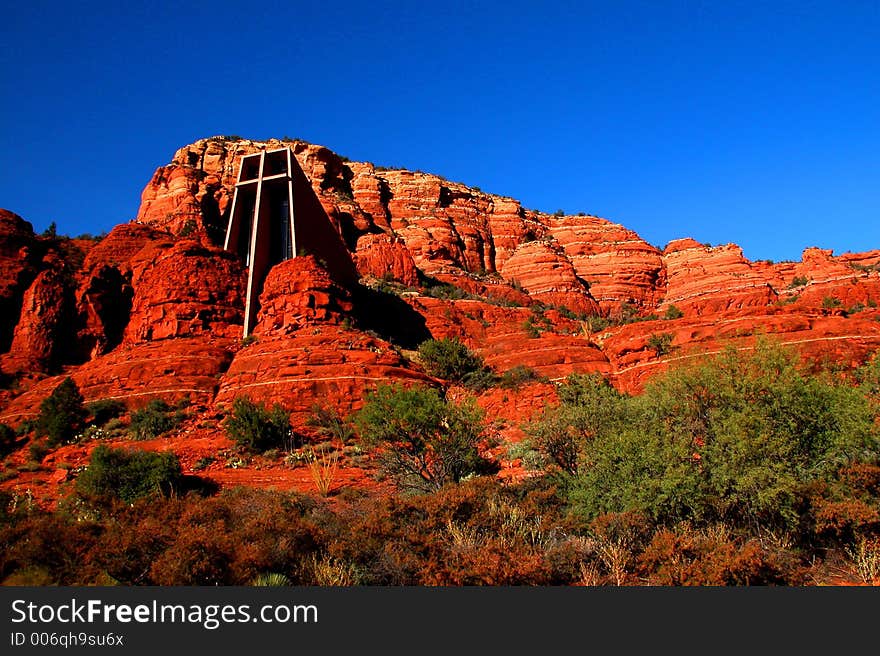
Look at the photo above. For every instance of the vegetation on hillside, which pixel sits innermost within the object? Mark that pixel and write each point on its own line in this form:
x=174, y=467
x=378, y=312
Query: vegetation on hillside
x=743, y=468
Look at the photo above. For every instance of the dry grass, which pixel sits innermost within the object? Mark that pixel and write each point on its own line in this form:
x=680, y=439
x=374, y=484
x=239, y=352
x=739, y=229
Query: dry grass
x=865, y=555
x=328, y=571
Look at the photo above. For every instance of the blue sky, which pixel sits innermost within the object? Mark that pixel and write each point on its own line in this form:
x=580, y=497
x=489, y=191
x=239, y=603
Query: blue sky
x=749, y=122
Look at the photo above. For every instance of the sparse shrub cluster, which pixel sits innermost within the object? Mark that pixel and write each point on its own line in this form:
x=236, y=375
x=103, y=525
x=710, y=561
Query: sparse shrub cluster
x=831, y=303
x=449, y=359
x=518, y=376
x=8, y=440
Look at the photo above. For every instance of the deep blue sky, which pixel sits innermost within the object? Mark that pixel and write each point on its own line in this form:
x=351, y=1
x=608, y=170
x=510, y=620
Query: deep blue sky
x=751, y=122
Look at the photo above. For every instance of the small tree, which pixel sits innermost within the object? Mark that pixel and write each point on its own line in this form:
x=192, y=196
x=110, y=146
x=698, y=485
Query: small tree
x=449, y=359
x=129, y=475
x=62, y=413
x=257, y=428
x=426, y=441
x=661, y=343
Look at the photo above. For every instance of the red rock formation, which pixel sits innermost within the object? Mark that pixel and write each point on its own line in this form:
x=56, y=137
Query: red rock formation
x=616, y=263
x=704, y=280
x=170, y=370
x=42, y=331
x=305, y=351
x=183, y=289
x=548, y=277
x=18, y=268
x=385, y=257
x=321, y=365
x=298, y=293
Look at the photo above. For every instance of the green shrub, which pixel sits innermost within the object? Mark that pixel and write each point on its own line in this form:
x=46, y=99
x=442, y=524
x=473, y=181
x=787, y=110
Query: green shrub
x=798, y=281
x=672, y=313
x=594, y=323
x=480, y=380
x=735, y=439
x=589, y=405
x=831, y=303
x=448, y=359
x=518, y=376
x=856, y=308
x=661, y=343
x=189, y=227
x=129, y=475
x=156, y=418
x=62, y=413
x=531, y=329
x=447, y=292
x=425, y=441
x=256, y=428
x=8, y=440
x=38, y=450
x=868, y=377
x=103, y=410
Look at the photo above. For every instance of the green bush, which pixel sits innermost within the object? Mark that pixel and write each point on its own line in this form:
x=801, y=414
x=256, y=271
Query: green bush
x=38, y=450
x=672, y=313
x=480, y=380
x=8, y=440
x=530, y=329
x=868, y=377
x=736, y=439
x=62, y=413
x=447, y=292
x=256, y=428
x=449, y=359
x=798, y=281
x=129, y=475
x=103, y=410
x=425, y=441
x=518, y=376
x=831, y=303
x=156, y=418
x=661, y=343
x=589, y=405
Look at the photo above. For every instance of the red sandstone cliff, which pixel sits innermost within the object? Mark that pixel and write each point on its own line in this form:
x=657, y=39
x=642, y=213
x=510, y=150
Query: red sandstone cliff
x=155, y=309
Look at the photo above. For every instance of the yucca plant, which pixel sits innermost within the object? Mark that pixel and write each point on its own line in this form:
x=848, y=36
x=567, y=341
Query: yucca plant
x=323, y=469
x=270, y=580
